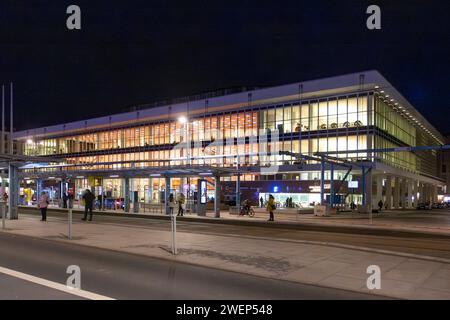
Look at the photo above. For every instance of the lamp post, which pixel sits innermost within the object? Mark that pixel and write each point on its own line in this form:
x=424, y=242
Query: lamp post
x=185, y=121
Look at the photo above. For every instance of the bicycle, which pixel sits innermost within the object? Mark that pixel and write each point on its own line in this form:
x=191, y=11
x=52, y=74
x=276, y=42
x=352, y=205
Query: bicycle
x=250, y=212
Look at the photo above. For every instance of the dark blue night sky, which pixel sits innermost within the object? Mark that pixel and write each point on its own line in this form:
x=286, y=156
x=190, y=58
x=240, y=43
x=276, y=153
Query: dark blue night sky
x=135, y=52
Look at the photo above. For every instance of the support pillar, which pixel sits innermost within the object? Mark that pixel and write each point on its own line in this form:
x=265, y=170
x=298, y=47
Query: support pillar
x=415, y=191
x=388, y=201
x=217, y=196
x=430, y=193
x=367, y=196
x=62, y=192
x=132, y=204
x=419, y=194
x=238, y=190
x=369, y=190
x=425, y=193
x=396, y=193
x=166, y=195
x=331, y=185
x=150, y=190
x=410, y=194
x=402, y=193
x=435, y=193
x=126, y=195
x=379, y=191
x=322, y=180
x=13, y=198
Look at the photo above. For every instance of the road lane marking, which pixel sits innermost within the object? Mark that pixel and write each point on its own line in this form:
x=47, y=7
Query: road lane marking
x=54, y=285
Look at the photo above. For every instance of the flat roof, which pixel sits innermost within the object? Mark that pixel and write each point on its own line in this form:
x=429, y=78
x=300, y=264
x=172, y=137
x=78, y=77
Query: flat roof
x=336, y=85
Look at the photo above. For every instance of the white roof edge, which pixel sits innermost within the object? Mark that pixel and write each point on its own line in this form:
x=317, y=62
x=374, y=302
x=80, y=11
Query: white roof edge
x=328, y=83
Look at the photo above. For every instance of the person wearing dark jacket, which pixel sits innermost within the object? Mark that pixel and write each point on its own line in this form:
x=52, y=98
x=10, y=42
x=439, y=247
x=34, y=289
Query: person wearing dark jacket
x=88, y=198
x=380, y=205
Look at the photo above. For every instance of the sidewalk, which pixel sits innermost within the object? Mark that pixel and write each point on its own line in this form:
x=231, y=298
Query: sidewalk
x=429, y=222
x=402, y=277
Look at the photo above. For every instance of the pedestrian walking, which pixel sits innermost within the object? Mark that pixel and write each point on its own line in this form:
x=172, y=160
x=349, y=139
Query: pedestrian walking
x=271, y=207
x=88, y=198
x=181, y=201
x=43, y=204
x=171, y=203
x=261, y=200
x=70, y=197
x=65, y=199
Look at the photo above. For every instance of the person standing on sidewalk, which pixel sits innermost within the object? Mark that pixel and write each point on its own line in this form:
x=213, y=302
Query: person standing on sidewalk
x=43, y=204
x=88, y=198
x=271, y=207
x=171, y=203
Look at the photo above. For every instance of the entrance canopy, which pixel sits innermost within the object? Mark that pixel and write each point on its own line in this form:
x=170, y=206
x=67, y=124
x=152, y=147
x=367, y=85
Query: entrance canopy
x=20, y=160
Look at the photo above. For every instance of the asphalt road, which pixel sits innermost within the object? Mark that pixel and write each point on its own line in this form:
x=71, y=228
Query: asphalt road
x=12, y=288
x=406, y=242
x=126, y=276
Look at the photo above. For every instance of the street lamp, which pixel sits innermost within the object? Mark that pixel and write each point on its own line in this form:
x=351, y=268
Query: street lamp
x=182, y=119
x=185, y=121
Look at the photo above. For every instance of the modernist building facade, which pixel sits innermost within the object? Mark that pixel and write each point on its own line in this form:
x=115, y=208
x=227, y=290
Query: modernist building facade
x=260, y=136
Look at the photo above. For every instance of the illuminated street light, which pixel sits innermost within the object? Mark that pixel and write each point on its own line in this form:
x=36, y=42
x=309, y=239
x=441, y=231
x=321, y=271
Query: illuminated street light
x=182, y=120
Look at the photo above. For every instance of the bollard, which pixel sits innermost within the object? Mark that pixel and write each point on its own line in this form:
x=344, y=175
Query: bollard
x=70, y=223
x=173, y=219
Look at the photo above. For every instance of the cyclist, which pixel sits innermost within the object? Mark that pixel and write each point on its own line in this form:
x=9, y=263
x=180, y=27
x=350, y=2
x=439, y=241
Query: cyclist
x=246, y=207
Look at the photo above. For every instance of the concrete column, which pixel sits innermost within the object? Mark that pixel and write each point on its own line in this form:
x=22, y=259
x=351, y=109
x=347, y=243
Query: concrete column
x=13, y=198
x=388, y=192
x=132, y=193
x=410, y=194
x=62, y=192
x=331, y=184
x=238, y=190
x=430, y=193
x=396, y=199
x=150, y=190
x=217, y=197
x=369, y=191
x=126, y=194
x=166, y=195
x=420, y=191
x=426, y=193
x=414, y=192
x=435, y=193
x=402, y=193
x=379, y=191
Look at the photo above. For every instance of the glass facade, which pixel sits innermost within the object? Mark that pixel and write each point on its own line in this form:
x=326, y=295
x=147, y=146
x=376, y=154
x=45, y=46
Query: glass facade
x=394, y=130
x=348, y=122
